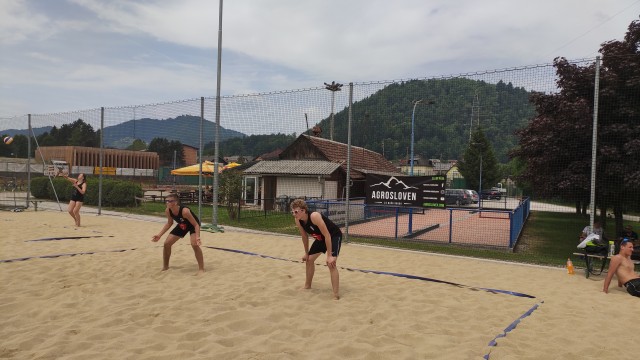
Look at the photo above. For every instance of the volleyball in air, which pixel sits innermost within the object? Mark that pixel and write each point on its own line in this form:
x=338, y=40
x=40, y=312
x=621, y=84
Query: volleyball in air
x=8, y=140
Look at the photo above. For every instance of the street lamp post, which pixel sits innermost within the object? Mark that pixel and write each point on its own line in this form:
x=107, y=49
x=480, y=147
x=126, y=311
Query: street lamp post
x=413, y=116
x=333, y=87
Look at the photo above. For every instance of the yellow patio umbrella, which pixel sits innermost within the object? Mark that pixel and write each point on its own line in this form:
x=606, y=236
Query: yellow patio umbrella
x=194, y=170
x=230, y=165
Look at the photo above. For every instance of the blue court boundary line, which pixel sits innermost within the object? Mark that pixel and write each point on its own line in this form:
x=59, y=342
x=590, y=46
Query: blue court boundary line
x=492, y=343
x=407, y=276
x=511, y=327
x=62, y=255
x=68, y=238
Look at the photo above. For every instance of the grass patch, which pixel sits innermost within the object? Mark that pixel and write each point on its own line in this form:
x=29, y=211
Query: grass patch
x=270, y=221
x=548, y=238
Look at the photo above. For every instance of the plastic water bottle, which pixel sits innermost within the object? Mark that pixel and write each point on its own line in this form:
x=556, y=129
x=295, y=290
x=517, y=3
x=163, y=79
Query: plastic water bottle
x=569, y=267
x=612, y=248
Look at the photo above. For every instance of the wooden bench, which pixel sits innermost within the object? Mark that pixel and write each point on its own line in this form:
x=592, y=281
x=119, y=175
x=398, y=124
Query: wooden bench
x=140, y=200
x=589, y=260
x=35, y=204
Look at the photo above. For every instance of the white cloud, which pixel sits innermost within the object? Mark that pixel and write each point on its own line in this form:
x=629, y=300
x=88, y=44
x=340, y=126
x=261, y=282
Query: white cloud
x=126, y=50
x=17, y=23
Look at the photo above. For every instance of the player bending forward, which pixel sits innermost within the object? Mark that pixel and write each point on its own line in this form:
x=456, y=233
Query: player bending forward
x=328, y=239
x=188, y=222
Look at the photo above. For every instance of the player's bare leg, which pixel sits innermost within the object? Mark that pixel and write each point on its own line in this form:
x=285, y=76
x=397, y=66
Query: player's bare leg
x=199, y=258
x=335, y=282
x=76, y=213
x=71, y=211
x=166, y=253
x=310, y=270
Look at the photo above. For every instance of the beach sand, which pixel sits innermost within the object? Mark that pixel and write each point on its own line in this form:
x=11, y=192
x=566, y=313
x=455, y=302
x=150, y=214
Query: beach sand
x=113, y=302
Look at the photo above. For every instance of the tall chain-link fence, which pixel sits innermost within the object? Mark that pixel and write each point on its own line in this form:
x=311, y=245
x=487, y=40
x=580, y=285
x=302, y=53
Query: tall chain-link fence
x=514, y=147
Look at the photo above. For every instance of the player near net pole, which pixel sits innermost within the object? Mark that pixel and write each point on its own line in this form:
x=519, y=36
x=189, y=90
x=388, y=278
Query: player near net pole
x=77, y=196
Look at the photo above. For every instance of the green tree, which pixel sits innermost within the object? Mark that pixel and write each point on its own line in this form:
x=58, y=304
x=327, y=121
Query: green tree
x=166, y=150
x=77, y=133
x=479, y=154
x=231, y=191
x=556, y=144
x=18, y=148
x=80, y=133
x=137, y=145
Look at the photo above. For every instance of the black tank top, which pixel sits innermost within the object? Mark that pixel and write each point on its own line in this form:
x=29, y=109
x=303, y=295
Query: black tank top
x=313, y=229
x=181, y=220
x=77, y=195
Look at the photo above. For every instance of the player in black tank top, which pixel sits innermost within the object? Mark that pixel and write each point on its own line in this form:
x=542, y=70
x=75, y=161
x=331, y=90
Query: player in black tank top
x=187, y=223
x=328, y=239
x=77, y=196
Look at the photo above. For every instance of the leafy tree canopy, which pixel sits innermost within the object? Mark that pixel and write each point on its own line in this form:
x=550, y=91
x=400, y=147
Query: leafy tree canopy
x=442, y=129
x=77, y=133
x=253, y=145
x=168, y=151
x=137, y=145
x=556, y=144
x=18, y=148
x=479, y=155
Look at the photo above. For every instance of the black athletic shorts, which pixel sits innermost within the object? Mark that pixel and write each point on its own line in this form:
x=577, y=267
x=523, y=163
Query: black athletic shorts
x=319, y=246
x=182, y=229
x=633, y=287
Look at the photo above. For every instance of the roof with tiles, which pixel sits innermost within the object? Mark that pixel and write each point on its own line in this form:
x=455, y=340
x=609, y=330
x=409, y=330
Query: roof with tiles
x=293, y=167
x=363, y=161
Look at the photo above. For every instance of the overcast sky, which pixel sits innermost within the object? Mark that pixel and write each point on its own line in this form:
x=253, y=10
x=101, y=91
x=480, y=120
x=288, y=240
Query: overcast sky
x=64, y=55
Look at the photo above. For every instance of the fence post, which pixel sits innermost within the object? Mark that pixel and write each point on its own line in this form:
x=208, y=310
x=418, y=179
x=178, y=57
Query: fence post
x=450, y=226
x=216, y=183
x=397, y=214
x=101, y=160
x=348, y=193
x=594, y=142
x=511, y=235
x=29, y=160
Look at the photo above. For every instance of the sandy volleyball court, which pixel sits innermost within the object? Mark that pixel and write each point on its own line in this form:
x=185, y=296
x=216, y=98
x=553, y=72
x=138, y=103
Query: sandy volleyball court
x=112, y=302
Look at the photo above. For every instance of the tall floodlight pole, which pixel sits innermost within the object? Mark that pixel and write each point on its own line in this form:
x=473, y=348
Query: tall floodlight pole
x=333, y=87
x=413, y=116
x=413, y=121
x=216, y=176
x=594, y=144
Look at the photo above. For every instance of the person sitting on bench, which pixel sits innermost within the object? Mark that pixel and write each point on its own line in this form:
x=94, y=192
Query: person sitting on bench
x=622, y=266
x=596, y=229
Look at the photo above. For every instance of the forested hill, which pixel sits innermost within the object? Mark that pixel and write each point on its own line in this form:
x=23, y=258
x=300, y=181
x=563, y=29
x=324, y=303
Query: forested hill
x=442, y=128
x=183, y=128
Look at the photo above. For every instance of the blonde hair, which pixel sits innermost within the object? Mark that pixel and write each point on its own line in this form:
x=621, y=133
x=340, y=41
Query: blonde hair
x=300, y=204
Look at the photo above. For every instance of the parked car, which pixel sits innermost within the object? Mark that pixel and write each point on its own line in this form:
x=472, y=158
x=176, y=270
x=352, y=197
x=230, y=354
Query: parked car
x=474, y=196
x=456, y=197
x=491, y=194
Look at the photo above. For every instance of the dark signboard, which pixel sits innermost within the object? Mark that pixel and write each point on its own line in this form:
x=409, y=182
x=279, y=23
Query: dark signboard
x=415, y=191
